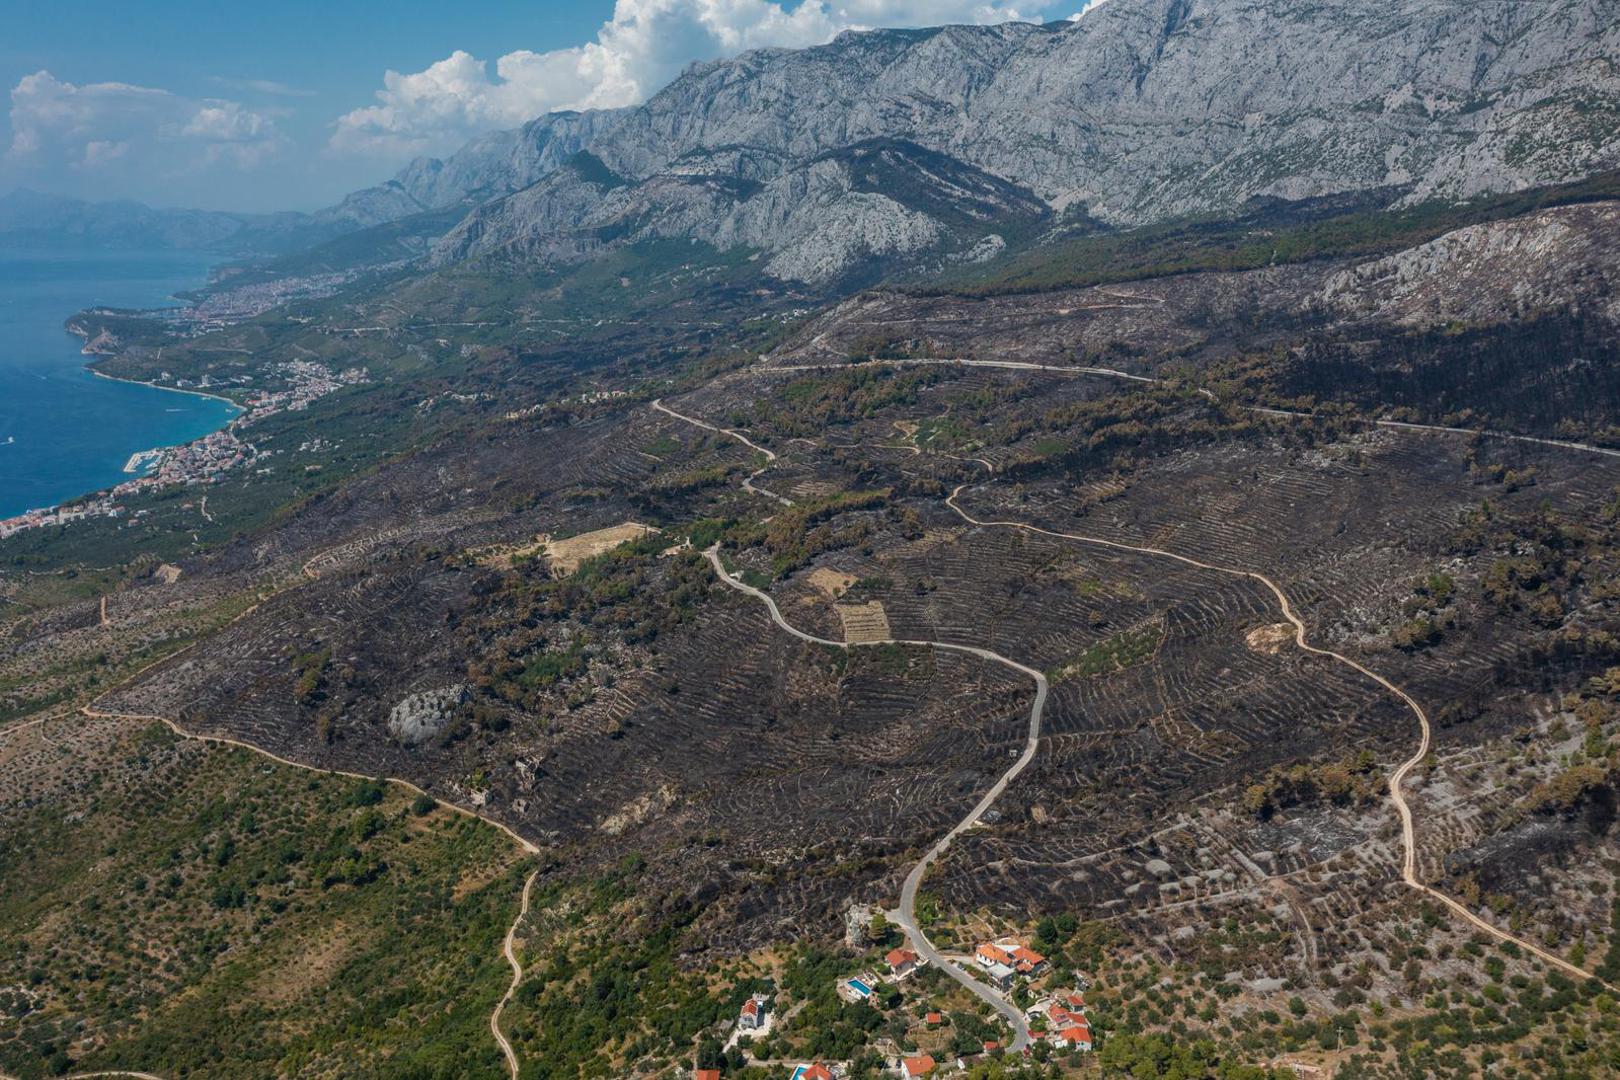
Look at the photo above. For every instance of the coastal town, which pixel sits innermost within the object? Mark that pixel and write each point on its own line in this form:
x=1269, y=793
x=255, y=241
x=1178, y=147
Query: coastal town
x=201, y=461
x=225, y=304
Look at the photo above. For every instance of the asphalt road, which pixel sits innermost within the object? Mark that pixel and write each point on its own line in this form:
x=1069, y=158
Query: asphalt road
x=906, y=915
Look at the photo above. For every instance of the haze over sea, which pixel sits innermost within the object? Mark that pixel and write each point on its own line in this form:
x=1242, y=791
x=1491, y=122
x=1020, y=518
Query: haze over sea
x=63, y=431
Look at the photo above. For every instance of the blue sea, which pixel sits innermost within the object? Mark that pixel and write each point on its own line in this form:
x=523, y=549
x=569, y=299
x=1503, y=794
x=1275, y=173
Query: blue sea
x=63, y=431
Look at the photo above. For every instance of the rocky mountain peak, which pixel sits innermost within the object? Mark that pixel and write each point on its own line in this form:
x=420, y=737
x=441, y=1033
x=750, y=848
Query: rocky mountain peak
x=1142, y=111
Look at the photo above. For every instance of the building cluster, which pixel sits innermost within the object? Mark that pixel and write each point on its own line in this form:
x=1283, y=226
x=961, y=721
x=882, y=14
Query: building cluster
x=201, y=461
x=103, y=506
x=306, y=381
x=1061, y=1020
x=1007, y=959
x=227, y=306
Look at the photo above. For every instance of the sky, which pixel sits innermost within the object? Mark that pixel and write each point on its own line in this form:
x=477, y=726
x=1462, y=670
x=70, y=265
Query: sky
x=226, y=105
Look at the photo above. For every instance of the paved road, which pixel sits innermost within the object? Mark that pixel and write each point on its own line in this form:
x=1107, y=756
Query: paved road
x=906, y=916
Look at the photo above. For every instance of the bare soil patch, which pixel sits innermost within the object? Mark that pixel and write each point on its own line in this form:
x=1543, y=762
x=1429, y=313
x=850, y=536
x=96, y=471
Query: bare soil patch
x=1271, y=638
x=832, y=582
x=866, y=622
x=566, y=555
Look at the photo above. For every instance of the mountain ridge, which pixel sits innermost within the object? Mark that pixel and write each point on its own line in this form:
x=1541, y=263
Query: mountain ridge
x=1142, y=111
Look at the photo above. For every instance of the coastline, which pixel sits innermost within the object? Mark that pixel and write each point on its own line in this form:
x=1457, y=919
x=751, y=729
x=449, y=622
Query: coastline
x=98, y=498
x=238, y=406
x=202, y=444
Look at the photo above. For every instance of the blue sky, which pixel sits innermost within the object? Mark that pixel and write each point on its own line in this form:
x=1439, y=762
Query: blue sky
x=230, y=105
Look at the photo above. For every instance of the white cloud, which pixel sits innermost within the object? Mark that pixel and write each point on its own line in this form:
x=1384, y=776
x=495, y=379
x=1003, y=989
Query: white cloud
x=262, y=86
x=644, y=45
x=59, y=125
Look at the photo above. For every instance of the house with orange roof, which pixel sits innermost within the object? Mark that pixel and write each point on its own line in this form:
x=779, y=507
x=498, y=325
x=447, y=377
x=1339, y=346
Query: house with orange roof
x=751, y=1017
x=913, y=1067
x=902, y=962
x=1076, y=1036
x=1027, y=961
x=989, y=954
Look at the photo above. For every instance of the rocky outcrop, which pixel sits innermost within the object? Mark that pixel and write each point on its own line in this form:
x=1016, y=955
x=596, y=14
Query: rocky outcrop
x=422, y=716
x=1140, y=111
x=1485, y=273
x=505, y=161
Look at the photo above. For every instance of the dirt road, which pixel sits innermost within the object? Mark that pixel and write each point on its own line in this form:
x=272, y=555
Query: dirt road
x=748, y=484
x=517, y=977
x=1259, y=410
x=1397, y=778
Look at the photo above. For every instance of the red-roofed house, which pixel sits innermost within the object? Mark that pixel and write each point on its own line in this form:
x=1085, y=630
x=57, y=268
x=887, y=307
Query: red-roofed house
x=751, y=1016
x=1059, y=1017
x=989, y=955
x=934, y=1019
x=913, y=1067
x=902, y=962
x=1078, y=1036
x=818, y=1071
x=705, y=1074
x=1027, y=961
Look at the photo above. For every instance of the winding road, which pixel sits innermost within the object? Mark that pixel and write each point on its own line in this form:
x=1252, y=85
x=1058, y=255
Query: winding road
x=517, y=976
x=1396, y=780
x=906, y=915
x=1115, y=373
x=311, y=572
x=527, y=846
x=748, y=482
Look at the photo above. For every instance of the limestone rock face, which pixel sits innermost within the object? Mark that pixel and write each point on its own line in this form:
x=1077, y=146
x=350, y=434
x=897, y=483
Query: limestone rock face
x=888, y=144
x=492, y=165
x=421, y=716
x=1484, y=273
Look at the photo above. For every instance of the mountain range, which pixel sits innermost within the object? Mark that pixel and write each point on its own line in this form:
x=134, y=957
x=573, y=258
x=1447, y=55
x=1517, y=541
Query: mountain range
x=900, y=144
x=887, y=148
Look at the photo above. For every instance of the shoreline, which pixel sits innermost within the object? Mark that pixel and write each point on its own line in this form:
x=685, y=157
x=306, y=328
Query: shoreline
x=240, y=408
x=155, y=453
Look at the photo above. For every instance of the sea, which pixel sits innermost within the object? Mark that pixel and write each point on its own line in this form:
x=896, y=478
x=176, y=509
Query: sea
x=63, y=431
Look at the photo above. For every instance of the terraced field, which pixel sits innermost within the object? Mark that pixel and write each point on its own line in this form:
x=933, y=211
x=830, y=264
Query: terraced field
x=1076, y=615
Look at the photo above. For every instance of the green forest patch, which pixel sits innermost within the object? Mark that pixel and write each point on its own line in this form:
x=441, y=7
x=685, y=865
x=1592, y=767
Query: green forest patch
x=1114, y=653
x=196, y=911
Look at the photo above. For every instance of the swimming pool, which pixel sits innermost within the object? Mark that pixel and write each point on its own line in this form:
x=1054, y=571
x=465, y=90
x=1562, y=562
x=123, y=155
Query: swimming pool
x=860, y=988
